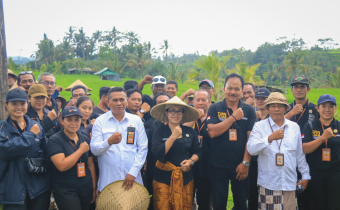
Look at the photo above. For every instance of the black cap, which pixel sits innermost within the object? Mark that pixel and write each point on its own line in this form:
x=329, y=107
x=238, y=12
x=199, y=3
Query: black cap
x=300, y=80
x=70, y=111
x=262, y=92
x=16, y=95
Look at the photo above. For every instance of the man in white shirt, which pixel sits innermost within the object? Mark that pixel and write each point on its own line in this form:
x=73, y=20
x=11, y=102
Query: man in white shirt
x=277, y=142
x=120, y=142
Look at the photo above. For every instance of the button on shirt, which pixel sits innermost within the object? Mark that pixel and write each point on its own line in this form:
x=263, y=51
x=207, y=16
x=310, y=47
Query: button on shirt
x=118, y=160
x=270, y=175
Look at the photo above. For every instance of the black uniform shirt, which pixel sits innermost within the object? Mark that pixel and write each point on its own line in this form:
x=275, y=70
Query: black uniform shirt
x=307, y=115
x=60, y=143
x=181, y=149
x=201, y=168
x=314, y=159
x=225, y=153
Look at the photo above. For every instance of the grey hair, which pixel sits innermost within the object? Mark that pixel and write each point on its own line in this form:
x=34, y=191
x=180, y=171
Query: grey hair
x=44, y=74
x=202, y=90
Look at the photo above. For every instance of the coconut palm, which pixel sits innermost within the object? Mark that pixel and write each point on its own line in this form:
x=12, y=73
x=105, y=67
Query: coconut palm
x=248, y=73
x=112, y=38
x=140, y=59
x=272, y=71
x=174, y=70
x=293, y=64
x=81, y=41
x=209, y=67
x=165, y=47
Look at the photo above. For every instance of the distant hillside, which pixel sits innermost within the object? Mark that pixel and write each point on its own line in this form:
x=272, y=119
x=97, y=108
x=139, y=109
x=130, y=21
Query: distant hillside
x=21, y=60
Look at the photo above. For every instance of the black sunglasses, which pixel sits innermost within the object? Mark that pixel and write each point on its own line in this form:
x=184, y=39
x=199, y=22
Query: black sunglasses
x=161, y=79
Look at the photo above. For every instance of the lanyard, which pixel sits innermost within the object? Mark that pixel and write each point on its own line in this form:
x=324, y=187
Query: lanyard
x=228, y=112
x=198, y=128
x=19, y=129
x=323, y=130
x=273, y=132
x=75, y=150
x=300, y=114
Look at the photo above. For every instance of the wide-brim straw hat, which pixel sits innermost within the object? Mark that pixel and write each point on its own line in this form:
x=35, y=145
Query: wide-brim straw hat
x=277, y=98
x=63, y=101
x=10, y=72
x=114, y=197
x=190, y=113
x=77, y=82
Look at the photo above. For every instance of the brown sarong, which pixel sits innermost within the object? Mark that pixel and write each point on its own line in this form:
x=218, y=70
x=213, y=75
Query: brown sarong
x=174, y=196
x=276, y=199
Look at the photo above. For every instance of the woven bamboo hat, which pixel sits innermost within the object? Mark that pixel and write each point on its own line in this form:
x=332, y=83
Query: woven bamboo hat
x=77, y=82
x=10, y=72
x=190, y=113
x=114, y=197
x=277, y=98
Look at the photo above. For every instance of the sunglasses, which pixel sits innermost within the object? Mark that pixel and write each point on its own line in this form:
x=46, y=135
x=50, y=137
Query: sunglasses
x=157, y=79
x=25, y=72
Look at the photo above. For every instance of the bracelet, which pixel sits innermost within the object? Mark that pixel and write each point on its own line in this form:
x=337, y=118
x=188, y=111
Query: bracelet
x=234, y=118
x=171, y=140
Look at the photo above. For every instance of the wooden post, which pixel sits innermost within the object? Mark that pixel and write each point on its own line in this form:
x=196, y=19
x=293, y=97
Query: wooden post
x=3, y=64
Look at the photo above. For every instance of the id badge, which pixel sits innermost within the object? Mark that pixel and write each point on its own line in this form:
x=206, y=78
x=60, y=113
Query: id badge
x=130, y=135
x=200, y=140
x=280, y=159
x=326, y=154
x=232, y=135
x=81, y=170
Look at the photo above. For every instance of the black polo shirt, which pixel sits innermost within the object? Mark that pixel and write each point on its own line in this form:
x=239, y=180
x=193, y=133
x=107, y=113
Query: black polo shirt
x=60, y=143
x=314, y=159
x=201, y=167
x=225, y=153
x=307, y=115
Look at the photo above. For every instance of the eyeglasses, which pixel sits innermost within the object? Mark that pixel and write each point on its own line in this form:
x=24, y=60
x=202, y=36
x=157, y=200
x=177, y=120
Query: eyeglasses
x=46, y=83
x=179, y=112
x=25, y=72
x=206, y=88
x=161, y=79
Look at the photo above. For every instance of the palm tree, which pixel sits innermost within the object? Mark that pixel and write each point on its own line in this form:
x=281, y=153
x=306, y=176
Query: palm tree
x=132, y=38
x=209, y=67
x=165, y=48
x=81, y=41
x=139, y=60
x=293, y=64
x=272, y=71
x=112, y=38
x=248, y=73
x=71, y=30
x=173, y=71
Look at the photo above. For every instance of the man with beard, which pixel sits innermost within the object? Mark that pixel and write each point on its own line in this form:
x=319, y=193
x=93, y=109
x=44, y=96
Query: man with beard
x=25, y=80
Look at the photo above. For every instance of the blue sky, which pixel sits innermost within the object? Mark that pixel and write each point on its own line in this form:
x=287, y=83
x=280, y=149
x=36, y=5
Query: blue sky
x=188, y=25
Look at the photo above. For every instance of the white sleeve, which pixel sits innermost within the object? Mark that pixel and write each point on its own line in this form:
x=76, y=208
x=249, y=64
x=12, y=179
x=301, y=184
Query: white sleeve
x=98, y=144
x=142, y=150
x=257, y=142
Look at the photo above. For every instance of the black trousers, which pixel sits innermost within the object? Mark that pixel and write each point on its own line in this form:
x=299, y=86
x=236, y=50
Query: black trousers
x=202, y=187
x=41, y=202
x=325, y=190
x=149, y=187
x=220, y=187
x=305, y=198
x=253, y=190
x=78, y=198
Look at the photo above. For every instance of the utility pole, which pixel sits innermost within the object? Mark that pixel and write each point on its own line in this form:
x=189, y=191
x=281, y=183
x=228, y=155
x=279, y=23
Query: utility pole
x=3, y=64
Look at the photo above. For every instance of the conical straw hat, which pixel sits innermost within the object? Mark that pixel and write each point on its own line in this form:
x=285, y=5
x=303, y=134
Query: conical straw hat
x=190, y=113
x=77, y=82
x=114, y=197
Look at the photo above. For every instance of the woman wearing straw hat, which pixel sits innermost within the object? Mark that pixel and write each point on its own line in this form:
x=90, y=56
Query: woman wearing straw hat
x=277, y=142
x=321, y=143
x=176, y=149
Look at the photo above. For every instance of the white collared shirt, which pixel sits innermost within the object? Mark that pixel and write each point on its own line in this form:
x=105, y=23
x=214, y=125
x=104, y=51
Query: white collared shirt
x=118, y=160
x=270, y=175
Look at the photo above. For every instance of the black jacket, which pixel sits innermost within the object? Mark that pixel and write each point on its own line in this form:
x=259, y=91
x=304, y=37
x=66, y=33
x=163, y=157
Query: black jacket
x=46, y=123
x=15, y=182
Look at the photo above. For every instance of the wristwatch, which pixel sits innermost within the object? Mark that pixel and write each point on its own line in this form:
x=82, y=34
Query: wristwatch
x=192, y=162
x=142, y=111
x=246, y=163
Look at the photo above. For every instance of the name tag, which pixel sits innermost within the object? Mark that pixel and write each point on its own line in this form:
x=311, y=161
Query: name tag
x=232, y=135
x=326, y=154
x=280, y=159
x=130, y=135
x=81, y=170
x=200, y=140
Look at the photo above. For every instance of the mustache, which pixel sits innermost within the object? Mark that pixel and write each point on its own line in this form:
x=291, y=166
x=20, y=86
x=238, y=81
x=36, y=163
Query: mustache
x=233, y=95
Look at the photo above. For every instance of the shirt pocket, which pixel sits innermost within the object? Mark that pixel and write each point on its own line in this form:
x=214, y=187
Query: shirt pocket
x=107, y=133
x=291, y=144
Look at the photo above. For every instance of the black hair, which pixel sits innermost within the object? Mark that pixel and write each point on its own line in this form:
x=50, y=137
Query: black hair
x=19, y=80
x=130, y=84
x=81, y=99
x=173, y=82
x=78, y=87
x=291, y=85
x=251, y=84
x=131, y=91
x=115, y=89
x=233, y=75
x=103, y=91
x=159, y=94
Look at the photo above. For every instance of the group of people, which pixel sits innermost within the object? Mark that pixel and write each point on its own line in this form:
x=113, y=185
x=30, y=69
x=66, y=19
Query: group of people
x=276, y=155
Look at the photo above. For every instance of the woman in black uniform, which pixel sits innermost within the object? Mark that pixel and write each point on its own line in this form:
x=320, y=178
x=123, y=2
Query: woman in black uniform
x=321, y=143
x=85, y=105
x=73, y=173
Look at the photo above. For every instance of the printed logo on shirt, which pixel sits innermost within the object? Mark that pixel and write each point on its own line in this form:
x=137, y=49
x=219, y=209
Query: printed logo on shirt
x=336, y=135
x=208, y=118
x=222, y=116
x=316, y=133
x=303, y=136
x=311, y=117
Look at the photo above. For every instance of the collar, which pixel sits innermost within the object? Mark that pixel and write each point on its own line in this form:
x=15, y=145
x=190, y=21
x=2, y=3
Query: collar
x=88, y=122
x=225, y=106
x=333, y=123
x=66, y=138
x=112, y=116
x=12, y=129
x=305, y=105
x=273, y=123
